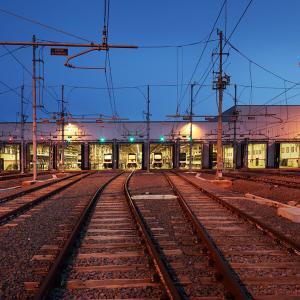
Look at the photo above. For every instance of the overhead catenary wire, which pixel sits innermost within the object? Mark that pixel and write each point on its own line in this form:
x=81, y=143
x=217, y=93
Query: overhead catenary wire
x=257, y=64
x=203, y=51
x=43, y=25
x=227, y=40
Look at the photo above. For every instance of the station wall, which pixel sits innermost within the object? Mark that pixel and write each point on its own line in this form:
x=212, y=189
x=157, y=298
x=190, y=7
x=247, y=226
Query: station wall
x=264, y=138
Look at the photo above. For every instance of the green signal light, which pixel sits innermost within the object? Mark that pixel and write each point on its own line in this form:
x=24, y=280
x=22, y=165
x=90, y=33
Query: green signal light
x=162, y=138
x=102, y=139
x=131, y=139
x=189, y=138
x=69, y=139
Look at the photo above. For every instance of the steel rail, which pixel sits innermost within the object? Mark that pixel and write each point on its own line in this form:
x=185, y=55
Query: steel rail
x=277, y=236
x=53, y=274
x=16, y=212
x=159, y=264
x=232, y=282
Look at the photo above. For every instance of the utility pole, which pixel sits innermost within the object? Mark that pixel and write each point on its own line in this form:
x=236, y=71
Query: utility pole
x=34, y=125
x=220, y=85
x=91, y=47
x=62, y=116
x=234, y=128
x=22, y=129
x=148, y=129
x=191, y=127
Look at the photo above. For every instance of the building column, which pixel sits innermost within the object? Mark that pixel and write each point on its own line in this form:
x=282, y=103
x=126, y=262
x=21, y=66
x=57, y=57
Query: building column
x=271, y=151
x=205, y=156
x=176, y=153
x=115, y=154
x=86, y=156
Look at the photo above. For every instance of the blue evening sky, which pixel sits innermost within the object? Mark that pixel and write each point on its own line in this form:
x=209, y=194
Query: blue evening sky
x=268, y=34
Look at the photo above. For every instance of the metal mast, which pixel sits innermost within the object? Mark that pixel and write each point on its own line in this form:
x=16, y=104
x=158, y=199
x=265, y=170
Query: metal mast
x=234, y=128
x=62, y=130
x=148, y=129
x=220, y=85
x=34, y=124
x=191, y=127
x=22, y=129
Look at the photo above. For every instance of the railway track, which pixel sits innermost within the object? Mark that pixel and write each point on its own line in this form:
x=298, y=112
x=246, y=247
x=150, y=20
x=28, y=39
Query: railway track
x=266, y=262
x=17, y=203
x=115, y=256
x=123, y=253
x=154, y=236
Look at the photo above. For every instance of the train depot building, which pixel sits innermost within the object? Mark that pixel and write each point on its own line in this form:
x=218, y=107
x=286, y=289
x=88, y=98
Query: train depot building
x=256, y=136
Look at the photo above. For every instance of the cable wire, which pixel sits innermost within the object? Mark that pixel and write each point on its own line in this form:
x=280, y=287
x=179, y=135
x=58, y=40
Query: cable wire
x=43, y=25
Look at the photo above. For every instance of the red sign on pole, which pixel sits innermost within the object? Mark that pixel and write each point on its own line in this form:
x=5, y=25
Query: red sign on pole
x=59, y=51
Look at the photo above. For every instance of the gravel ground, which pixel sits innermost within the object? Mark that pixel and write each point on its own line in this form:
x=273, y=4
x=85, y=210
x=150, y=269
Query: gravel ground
x=22, y=242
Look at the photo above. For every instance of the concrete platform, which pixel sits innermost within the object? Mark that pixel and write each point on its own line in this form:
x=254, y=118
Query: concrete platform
x=266, y=201
x=290, y=213
x=222, y=183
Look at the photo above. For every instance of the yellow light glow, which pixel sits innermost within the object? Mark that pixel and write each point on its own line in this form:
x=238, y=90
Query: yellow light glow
x=196, y=130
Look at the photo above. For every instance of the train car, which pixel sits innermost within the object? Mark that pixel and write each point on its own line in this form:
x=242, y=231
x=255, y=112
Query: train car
x=107, y=161
x=157, y=160
x=131, y=160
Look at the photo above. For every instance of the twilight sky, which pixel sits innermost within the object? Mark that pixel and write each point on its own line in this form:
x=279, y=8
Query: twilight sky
x=268, y=35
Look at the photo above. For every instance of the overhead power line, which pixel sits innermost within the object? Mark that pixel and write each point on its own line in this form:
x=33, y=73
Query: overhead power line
x=43, y=25
x=12, y=51
x=176, y=46
x=258, y=65
x=203, y=50
x=226, y=41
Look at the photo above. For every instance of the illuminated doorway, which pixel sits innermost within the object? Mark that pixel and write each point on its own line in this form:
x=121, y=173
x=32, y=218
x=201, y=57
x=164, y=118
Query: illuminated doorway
x=9, y=157
x=72, y=157
x=130, y=156
x=184, y=156
x=257, y=155
x=289, y=155
x=227, y=156
x=161, y=156
x=100, y=156
x=42, y=157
